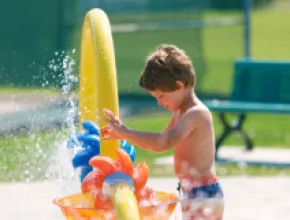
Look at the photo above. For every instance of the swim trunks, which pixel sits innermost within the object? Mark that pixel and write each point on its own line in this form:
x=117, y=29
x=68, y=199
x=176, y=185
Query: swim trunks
x=205, y=187
x=206, y=192
x=204, y=200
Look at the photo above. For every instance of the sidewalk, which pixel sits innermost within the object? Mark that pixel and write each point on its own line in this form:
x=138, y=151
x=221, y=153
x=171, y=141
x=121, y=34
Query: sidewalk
x=245, y=198
x=258, y=156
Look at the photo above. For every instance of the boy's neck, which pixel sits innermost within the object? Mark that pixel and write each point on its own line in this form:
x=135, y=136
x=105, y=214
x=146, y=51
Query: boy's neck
x=189, y=100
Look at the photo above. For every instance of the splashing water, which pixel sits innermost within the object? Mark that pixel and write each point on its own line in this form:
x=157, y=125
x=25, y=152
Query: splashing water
x=60, y=163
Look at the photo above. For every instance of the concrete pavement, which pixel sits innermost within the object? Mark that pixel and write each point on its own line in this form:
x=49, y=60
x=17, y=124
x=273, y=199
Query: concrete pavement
x=246, y=198
x=275, y=156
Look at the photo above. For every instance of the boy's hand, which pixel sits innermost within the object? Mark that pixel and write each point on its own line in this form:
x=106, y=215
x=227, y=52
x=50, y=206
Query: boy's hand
x=115, y=127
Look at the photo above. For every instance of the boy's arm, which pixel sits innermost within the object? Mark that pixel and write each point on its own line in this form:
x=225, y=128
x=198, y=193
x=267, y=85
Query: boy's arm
x=170, y=124
x=165, y=140
x=152, y=148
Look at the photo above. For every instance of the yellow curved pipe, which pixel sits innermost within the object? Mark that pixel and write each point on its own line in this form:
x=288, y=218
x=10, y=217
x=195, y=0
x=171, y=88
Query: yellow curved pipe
x=98, y=90
x=124, y=210
x=98, y=83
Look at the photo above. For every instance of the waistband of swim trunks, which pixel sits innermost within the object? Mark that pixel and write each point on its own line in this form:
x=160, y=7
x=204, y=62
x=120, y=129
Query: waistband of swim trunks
x=187, y=183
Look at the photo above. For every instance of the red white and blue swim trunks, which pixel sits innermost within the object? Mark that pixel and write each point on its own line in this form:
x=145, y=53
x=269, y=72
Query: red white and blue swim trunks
x=204, y=187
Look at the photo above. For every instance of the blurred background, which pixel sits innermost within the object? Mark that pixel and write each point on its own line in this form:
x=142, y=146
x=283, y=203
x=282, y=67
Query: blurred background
x=36, y=37
x=40, y=53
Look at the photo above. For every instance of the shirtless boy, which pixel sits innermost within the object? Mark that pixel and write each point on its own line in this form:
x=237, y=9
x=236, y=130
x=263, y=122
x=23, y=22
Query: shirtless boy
x=169, y=76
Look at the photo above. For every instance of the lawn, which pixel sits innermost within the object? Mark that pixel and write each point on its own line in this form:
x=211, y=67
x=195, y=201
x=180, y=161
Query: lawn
x=19, y=90
x=223, y=45
x=28, y=157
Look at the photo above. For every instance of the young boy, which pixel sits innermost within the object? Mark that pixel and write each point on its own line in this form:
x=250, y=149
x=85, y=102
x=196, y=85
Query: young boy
x=169, y=76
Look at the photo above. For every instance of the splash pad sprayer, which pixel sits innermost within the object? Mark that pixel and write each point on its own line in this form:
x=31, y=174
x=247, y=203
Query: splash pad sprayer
x=111, y=187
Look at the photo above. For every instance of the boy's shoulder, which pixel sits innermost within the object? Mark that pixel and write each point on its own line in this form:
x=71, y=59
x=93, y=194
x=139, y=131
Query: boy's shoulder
x=199, y=111
x=198, y=108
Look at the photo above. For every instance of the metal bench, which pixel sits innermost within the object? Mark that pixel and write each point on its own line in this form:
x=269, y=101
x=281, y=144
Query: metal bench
x=258, y=87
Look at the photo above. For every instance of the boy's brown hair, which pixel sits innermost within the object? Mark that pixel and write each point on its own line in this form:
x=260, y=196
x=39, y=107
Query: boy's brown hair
x=164, y=67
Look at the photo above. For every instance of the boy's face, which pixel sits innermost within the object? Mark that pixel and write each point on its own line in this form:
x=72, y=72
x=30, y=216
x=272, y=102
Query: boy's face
x=169, y=100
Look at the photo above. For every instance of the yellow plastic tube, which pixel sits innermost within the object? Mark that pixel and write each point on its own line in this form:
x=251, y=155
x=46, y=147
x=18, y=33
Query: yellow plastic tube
x=98, y=81
x=124, y=210
x=98, y=90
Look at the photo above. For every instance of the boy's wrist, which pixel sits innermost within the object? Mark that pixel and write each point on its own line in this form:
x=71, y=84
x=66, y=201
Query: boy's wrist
x=124, y=130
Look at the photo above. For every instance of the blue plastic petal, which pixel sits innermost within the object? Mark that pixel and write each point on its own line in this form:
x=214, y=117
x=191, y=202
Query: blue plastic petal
x=130, y=149
x=91, y=127
x=91, y=140
x=82, y=157
x=90, y=147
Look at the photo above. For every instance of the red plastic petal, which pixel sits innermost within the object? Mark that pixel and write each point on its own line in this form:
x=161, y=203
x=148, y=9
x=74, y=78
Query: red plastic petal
x=127, y=166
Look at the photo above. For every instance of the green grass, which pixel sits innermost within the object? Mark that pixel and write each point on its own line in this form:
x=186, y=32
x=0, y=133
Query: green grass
x=223, y=45
x=270, y=34
x=27, y=91
x=27, y=157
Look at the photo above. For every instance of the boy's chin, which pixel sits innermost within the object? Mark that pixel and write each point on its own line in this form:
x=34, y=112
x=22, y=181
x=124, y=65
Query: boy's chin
x=171, y=109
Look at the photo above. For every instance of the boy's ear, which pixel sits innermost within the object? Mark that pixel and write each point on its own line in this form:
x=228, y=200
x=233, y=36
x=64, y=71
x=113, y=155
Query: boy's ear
x=179, y=84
